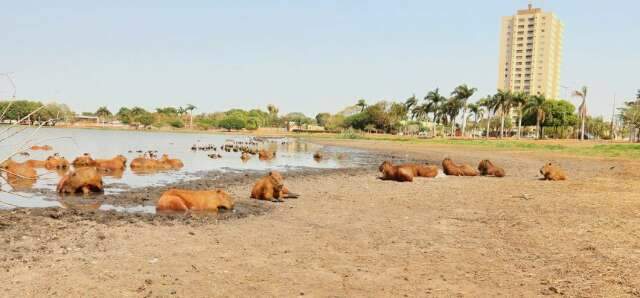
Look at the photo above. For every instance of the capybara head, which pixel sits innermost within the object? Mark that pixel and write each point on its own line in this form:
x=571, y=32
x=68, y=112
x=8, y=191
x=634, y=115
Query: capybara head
x=276, y=179
x=121, y=158
x=225, y=199
x=384, y=164
x=83, y=180
x=548, y=167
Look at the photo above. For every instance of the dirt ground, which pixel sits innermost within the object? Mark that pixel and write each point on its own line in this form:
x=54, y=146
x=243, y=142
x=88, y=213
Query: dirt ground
x=350, y=234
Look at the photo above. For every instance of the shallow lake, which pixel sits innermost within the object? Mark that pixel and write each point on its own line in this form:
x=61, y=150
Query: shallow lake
x=70, y=143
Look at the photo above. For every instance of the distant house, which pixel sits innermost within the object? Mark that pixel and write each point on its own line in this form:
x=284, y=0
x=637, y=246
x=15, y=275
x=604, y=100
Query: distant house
x=86, y=120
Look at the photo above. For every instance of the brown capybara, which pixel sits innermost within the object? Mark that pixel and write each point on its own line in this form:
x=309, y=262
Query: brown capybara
x=83, y=180
x=245, y=156
x=84, y=160
x=552, y=172
x=271, y=188
x=183, y=200
x=421, y=170
x=117, y=163
x=19, y=175
x=41, y=148
x=452, y=169
x=395, y=173
x=318, y=156
x=35, y=163
x=174, y=163
x=143, y=164
x=266, y=154
x=487, y=168
x=56, y=162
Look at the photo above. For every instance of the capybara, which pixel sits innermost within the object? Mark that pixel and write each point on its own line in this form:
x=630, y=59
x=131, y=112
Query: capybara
x=41, y=148
x=174, y=163
x=421, y=170
x=183, y=200
x=82, y=180
x=271, y=188
x=264, y=154
x=452, y=169
x=552, y=172
x=395, y=173
x=487, y=168
x=318, y=156
x=56, y=162
x=114, y=164
x=35, y=163
x=19, y=175
x=143, y=164
x=84, y=160
x=245, y=156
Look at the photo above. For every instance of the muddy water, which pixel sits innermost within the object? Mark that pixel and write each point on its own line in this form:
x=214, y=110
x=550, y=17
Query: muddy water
x=292, y=154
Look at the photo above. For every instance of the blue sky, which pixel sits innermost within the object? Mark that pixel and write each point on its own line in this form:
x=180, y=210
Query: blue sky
x=307, y=56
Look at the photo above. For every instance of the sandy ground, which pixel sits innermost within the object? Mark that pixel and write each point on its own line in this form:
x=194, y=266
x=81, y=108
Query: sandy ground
x=350, y=234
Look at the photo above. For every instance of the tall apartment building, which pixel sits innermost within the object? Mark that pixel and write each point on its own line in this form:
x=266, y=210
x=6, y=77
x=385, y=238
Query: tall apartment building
x=531, y=53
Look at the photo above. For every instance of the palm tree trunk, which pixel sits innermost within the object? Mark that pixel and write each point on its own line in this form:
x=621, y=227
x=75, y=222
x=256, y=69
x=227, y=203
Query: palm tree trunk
x=519, y=120
x=464, y=118
x=582, y=129
x=488, y=125
x=538, y=128
x=453, y=127
x=502, y=125
x=434, y=124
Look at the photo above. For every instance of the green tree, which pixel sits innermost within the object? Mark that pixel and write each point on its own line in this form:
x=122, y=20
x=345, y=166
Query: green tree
x=560, y=115
x=582, y=109
x=323, y=118
x=103, y=112
x=410, y=103
x=362, y=104
x=233, y=122
x=487, y=103
x=434, y=100
x=145, y=119
x=519, y=99
x=452, y=109
x=536, y=106
x=462, y=93
x=124, y=115
x=502, y=103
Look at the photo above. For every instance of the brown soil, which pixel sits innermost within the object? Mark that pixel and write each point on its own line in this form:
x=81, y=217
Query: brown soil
x=350, y=234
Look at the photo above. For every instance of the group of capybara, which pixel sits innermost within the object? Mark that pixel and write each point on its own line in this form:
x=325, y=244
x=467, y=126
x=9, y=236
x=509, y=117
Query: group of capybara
x=407, y=171
x=87, y=172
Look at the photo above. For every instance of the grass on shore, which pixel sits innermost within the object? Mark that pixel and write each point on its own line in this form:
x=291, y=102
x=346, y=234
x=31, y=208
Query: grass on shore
x=570, y=147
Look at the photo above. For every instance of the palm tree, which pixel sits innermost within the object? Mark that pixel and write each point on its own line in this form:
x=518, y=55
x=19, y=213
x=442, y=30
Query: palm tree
x=502, y=102
x=582, y=109
x=487, y=103
x=410, y=103
x=477, y=111
x=452, y=108
x=519, y=99
x=362, y=104
x=535, y=104
x=463, y=93
x=434, y=100
x=190, y=109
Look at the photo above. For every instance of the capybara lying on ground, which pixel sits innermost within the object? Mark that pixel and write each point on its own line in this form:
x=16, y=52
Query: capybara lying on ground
x=117, y=163
x=143, y=164
x=487, y=168
x=56, y=162
x=266, y=154
x=421, y=170
x=35, y=163
x=271, y=188
x=183, y=200
x=452, y=169
x=552, y=172
x=395, y=173
x=42, y=148
x=82, y=180
x=84, y=160
x=174, y=163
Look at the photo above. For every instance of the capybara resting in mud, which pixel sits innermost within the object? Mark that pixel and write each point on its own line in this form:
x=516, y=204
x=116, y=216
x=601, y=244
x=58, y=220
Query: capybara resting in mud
x=174, y=163
x=452, y=169
x=144, y=164
x=84, y=160
x=183, y=200
x=56, y=162
x=552, y=172
x=35, y=163
x=395, y=173
x=266, y=154
x=487, y=168
x=117, y=163
x=83, y=180
x=41, y=148
x=18, y=170
x=271, y=188
x=421, y=170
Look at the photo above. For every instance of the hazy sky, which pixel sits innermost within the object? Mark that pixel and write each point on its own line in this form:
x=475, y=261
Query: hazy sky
x=307, y=56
